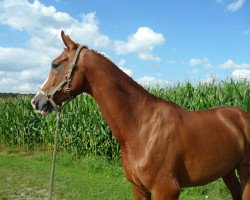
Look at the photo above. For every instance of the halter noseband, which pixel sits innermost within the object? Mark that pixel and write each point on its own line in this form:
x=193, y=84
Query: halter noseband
x=67, y=80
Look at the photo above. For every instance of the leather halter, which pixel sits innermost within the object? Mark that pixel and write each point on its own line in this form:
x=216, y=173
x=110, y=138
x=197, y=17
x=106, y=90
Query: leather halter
x=67, y=80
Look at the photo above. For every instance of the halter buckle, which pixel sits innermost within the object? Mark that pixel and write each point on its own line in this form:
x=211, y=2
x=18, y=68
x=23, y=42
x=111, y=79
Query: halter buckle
x=68, y=89
x=48, y=95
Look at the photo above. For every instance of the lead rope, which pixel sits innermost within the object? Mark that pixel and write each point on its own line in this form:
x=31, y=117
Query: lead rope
x=52, y=175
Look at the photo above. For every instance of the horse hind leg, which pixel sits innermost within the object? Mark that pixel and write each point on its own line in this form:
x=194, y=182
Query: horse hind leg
x=233, y=185
x=244, y=173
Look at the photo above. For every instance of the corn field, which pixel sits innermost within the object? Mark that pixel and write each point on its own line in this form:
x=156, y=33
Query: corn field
x=85, y=132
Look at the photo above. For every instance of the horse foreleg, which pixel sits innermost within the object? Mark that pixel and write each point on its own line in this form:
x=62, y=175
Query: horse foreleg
x=140, y=194
x=167, y=190
x=233, y=185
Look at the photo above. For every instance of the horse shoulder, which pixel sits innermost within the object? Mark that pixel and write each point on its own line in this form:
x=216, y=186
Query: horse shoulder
x=156, y=144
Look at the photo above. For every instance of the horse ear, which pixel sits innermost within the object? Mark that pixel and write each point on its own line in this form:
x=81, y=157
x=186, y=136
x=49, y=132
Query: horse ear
x=68, y=42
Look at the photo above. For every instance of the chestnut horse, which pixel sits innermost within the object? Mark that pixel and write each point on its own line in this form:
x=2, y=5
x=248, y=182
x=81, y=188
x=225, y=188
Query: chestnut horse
x=164, y=146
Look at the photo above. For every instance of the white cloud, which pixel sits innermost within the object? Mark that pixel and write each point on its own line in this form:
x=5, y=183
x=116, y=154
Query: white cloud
x=205, y=62
x=7, y=81
x=43, y=24
x=194, y=71
x=236, y=5
x=127, y=71
x=25, y=87
x=170, y=62
x=12, y=82
x=230, y=64
x=87, y=32
x=17, y=59
x=141, y=42
x=23, y=15
x=148, y=56
x=121, y=62
x=241, y=74
x=33, y=75
x=152, y=81
x=207, y=80
x=20, y=67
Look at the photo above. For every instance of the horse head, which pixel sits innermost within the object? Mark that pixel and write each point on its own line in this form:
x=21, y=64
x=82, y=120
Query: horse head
x=66, y=78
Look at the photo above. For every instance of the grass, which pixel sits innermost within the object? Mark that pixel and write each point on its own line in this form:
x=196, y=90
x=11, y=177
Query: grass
x=26, y=176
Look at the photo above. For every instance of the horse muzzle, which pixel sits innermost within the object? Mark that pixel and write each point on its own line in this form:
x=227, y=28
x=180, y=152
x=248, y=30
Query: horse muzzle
x=41, y=104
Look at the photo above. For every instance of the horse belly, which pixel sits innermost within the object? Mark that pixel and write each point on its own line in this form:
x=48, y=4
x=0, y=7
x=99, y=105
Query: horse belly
x=205, y=171
x=209, y=157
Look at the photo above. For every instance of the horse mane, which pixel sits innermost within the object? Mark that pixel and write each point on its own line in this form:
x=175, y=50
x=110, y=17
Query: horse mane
x=104, y=56
x=83, y=46
x=125, y=78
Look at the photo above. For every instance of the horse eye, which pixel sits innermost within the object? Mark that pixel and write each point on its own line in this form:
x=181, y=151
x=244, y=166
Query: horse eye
x=55, y=65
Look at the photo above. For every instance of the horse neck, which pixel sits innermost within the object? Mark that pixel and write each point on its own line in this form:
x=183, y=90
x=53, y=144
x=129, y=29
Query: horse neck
x=120, y=99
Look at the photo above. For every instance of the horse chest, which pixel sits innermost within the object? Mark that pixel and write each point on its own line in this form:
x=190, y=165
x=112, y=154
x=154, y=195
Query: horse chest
x=142, y=169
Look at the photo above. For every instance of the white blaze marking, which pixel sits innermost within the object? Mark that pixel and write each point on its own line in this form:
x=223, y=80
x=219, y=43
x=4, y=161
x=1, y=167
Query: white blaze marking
x=41, y=86
x=44, y=82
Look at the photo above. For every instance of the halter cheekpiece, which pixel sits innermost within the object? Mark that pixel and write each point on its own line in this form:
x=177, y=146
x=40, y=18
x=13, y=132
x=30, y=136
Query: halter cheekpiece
x=67, y=80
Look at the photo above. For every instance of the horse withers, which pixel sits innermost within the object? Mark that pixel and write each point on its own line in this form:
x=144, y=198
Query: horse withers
x=164, y=146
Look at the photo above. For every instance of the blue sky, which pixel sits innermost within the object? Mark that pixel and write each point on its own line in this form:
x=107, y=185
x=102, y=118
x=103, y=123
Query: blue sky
x=155, y=42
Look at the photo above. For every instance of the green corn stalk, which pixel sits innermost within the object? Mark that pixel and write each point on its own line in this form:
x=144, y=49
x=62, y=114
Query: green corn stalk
x=84, y=130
